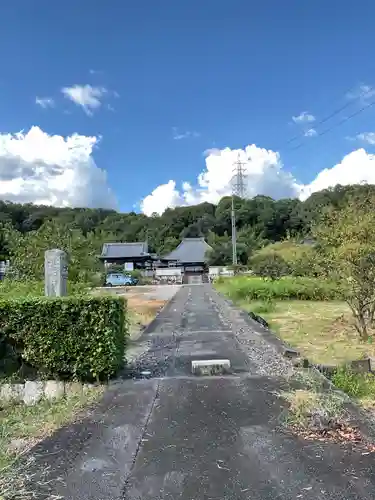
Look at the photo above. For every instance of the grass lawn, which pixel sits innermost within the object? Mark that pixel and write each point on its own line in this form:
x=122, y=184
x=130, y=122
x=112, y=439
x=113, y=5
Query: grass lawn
x=322, y=331
x=21, y=427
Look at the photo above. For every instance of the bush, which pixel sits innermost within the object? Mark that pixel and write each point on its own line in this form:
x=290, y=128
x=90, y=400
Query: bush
x=70, y=337
x=271, y=266
x=286, y=288
x=301, y=259
x=357, y=385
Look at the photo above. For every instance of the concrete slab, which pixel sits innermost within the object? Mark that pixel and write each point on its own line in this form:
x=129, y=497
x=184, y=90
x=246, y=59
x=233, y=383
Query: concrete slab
x=218, y=438
x=210, y=367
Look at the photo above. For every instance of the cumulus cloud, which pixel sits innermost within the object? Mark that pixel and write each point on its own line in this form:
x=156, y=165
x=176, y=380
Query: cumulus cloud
x=265, y=175
x=303, y=117
x=52, y=170
x=162, y=197
x=357, y=167
x=45, y=102
x=87, y=97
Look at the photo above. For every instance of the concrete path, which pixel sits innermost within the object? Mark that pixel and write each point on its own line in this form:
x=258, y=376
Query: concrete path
x=174, y=436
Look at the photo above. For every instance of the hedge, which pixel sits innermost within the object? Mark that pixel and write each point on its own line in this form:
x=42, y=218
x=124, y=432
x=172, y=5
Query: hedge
x=79, y=338
x=286, y=288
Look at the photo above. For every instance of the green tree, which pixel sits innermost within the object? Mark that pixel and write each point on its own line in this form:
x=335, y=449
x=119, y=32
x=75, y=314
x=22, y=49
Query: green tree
x=270, y=265
x=27, y=251
x=346, y=245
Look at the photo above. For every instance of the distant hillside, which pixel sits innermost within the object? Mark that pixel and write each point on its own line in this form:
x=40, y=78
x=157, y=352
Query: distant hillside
x=259, y=220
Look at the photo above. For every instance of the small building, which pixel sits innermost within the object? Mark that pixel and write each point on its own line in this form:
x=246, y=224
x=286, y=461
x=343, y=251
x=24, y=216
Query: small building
x=131, y=255
x=191, y=257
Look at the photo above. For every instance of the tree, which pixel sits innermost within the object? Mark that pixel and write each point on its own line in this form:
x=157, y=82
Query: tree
x=300, y=258
x=270, y=265
x=27, y=251
x=346, y=245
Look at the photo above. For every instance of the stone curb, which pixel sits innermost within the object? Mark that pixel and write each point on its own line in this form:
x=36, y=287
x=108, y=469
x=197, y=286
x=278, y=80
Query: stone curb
x=31, y=392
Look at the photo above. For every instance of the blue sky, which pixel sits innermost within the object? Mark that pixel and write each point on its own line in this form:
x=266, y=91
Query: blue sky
x=169, y=80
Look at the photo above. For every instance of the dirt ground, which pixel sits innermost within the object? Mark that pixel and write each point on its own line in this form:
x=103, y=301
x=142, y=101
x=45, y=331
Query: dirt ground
x=144, y=302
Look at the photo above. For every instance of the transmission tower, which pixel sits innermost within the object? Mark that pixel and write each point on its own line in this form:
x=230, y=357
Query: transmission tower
x=238, y=189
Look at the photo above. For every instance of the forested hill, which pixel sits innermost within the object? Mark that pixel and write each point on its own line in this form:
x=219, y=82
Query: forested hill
x=259, y=220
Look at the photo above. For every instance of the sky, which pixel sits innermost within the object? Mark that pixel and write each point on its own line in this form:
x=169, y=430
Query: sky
x=143, y=105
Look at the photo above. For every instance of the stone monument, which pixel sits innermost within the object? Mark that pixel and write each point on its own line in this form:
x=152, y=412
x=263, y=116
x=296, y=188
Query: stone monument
x=55, y=273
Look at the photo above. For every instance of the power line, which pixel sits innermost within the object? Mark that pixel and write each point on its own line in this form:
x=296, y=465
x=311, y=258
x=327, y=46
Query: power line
x=338, y=123
x=369, y=93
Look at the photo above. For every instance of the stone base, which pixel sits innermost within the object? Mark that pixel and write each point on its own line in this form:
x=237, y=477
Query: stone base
x=31, y=392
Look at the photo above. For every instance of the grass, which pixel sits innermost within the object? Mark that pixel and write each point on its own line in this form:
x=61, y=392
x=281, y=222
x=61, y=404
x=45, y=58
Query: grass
x=31, y=288
x=311, y=404
x=322, y=331
x=320, y=413
x=21, y=427
x=360, y=386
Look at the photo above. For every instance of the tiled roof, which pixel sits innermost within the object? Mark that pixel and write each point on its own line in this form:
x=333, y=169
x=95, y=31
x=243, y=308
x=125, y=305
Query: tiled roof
x=124, y=250
x=190, y=250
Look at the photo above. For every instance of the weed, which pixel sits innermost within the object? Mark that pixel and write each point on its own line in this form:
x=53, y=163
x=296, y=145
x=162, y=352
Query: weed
x=22, y=426
x=264, y=307
x=357, y=385
x=312, y=406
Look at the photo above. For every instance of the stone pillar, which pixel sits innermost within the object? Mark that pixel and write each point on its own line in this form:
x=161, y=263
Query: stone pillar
x=55, y=273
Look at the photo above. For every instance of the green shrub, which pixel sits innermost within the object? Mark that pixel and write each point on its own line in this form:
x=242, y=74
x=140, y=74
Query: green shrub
x=357, y=385
x=271, y=266
x=286, y=288
x=69, y=337
x=301, y=259
x=264, y=307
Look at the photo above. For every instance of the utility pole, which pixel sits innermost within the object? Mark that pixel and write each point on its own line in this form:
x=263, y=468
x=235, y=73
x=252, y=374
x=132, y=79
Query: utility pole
x=238, y=189
x=234, y=235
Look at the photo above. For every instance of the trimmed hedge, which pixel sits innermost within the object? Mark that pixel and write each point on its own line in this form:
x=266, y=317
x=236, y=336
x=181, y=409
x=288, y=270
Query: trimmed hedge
x=79, y=338
x=286, y=288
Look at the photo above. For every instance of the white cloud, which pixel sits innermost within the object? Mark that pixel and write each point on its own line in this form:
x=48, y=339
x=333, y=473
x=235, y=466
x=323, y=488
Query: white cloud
x=177, y=136
x=368, y=137
x=86, y=96
x=45, y=102
x=355, y=168
x=303, y=117
x=264, y=175
x=162, y=197
x=52, y=170
x=310, y=133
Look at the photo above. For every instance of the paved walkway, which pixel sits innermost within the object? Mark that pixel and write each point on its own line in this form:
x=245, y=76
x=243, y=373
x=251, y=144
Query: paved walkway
x=174, y=436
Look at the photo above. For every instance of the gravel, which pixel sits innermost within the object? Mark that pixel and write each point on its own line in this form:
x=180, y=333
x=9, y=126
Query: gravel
x=250, y=336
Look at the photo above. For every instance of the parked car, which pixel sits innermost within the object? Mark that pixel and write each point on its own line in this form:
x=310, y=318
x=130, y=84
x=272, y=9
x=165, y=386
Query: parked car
x=120, y=279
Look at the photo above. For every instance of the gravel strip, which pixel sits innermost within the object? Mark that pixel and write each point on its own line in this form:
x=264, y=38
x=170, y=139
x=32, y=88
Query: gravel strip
x=248, y=333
